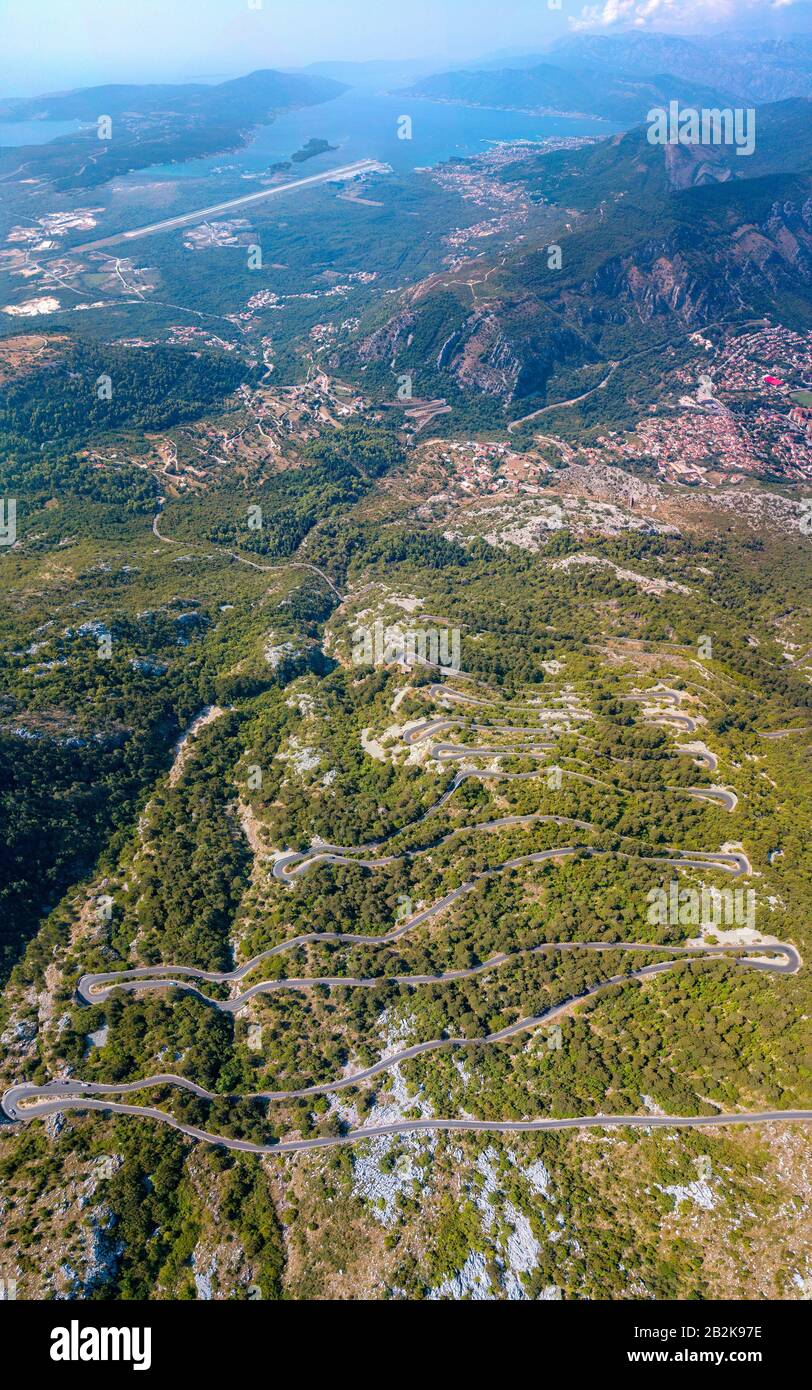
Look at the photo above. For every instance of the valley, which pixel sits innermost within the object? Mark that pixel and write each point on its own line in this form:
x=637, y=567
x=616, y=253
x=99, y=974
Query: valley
x=405, y=706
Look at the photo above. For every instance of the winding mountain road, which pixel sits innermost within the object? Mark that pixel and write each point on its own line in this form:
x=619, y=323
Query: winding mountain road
x=419, y=732
x=221, y=551
x=27, y=1101
x=94, y=989
x=291, y=863
x=429, y=1125
x=723, y=796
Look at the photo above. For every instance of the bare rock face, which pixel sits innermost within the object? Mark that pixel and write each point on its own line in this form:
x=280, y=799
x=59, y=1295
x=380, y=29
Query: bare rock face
x=385, y=343
x=485, y=361
x=788, y=230
x=654, y=283
x=678, y=238
x=691, y=166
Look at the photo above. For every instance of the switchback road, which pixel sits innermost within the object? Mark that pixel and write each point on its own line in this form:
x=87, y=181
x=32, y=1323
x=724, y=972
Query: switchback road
x=28, y=1101
x=94, y=989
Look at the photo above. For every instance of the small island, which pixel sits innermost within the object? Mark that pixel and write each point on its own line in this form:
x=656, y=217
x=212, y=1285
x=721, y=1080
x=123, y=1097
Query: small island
x=313, y=147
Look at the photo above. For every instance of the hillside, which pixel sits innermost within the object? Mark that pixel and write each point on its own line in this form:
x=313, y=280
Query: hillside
x=749, y=68
x=547, y=88
x=629, y=167
x=647, y=263
x=406, y=695
x=153, y=124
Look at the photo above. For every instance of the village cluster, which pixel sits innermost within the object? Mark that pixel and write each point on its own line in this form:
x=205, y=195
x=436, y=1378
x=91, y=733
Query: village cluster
x=747, y=412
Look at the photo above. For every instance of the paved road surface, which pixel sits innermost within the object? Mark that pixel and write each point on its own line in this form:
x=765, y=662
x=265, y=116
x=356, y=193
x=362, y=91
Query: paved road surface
x=77, y=1094
x=709, y=759
x=722, y=796
x=447, y=692
x=187, y=218
x=356, y=1136
x=28, y=1101
x=93, y=989
x=422, y=731
x=292, y=863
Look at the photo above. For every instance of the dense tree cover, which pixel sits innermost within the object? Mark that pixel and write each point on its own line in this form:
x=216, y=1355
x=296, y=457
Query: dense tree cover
x=178, y=865
x=84, y=735
x=191, y=868
x=154, y=1229
x=157, y=1213
x=67, y=795
x=43, y=477
x=198, y=1038
x=247, y=1204
x=271, y=519
x=371, y=450
x=58, y=805
x=95, y=389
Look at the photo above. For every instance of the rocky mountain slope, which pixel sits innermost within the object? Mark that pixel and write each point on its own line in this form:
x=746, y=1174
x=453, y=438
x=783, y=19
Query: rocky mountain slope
x=656, y=260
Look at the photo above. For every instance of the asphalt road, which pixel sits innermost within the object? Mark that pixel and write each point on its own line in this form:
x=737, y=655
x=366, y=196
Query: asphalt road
x=456, y=752
x=447, y=692
x=678, y=721
x=356, y=1136
x=721, y=796
x=292, y=863
x=709, y=759
x=27, y=1101
x=93, y=989
x=420, y=732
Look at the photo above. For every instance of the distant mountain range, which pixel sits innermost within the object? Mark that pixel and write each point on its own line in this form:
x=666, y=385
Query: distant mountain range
x=546, y=88
x=621, y=76
x=745, y=68
x=153, y=124
x=246, y=99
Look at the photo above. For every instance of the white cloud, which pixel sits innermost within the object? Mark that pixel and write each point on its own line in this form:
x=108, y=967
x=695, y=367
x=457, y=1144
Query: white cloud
x=640, y=13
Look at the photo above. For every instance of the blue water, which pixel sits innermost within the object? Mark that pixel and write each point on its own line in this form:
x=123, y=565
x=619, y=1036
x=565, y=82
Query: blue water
x=34, y=132
x=364, y=125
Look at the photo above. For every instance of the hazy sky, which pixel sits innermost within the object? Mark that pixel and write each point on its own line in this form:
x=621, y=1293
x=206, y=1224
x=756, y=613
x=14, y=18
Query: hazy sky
x=46, y=45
